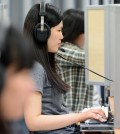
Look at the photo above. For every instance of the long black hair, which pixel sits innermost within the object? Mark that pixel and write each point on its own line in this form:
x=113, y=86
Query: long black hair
x=46, y=59
x=73, y=25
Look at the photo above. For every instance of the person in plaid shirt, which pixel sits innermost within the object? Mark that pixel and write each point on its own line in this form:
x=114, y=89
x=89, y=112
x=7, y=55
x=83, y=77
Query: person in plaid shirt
x=80, y=95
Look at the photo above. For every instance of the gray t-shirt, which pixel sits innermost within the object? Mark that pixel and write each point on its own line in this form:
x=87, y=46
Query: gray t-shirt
x=52, y=102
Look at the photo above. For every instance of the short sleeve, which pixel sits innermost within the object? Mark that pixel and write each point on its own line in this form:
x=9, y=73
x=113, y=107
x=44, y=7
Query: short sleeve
x=38, y=75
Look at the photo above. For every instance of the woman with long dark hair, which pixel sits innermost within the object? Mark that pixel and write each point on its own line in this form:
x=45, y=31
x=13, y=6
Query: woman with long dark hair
x=44, y=111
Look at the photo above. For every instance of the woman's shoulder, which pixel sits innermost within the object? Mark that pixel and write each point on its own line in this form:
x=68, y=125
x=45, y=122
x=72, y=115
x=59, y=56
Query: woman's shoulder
x=72, y=50
x=37, y=67
x=71, y=47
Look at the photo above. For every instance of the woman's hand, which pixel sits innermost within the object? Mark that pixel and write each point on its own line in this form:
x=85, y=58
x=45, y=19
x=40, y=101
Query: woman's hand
x=97, y=114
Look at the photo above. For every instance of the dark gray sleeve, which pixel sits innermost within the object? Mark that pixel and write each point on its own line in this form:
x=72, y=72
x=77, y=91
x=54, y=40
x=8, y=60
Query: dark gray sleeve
x=38, y=76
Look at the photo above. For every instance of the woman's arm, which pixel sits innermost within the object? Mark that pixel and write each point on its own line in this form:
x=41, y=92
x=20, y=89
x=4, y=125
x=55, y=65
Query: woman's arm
x=35, y=121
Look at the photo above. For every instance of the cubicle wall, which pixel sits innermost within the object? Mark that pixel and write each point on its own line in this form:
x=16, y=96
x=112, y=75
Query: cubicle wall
x=102, y=45
x=114, y=13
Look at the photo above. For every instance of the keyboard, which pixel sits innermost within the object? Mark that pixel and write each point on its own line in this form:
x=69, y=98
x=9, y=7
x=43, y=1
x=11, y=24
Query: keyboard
x=97, y=127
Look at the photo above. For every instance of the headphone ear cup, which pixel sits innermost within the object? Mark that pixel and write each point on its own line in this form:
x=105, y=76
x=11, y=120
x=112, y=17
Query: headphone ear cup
x=41, y=36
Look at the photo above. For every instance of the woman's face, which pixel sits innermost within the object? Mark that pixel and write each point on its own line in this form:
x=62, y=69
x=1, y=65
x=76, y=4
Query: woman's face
x=54, y=41
x=18, y=86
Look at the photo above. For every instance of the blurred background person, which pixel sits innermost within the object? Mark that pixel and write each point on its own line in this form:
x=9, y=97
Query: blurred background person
x=16, y=60
x=80, y=95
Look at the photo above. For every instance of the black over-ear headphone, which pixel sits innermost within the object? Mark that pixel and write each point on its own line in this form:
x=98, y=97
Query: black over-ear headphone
x=42, y=29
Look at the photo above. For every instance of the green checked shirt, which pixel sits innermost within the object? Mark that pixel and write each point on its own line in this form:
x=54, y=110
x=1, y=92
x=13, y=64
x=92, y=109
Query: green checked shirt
x=80, y=95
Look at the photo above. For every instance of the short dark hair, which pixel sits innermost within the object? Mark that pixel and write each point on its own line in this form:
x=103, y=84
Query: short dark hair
x=73, y=24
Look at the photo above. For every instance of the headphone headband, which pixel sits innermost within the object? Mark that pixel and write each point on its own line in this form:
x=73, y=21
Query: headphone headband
x=42, y=30
x=42, y=7
x=42, y=15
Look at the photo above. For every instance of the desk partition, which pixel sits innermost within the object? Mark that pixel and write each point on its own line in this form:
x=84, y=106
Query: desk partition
x=102, y=46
